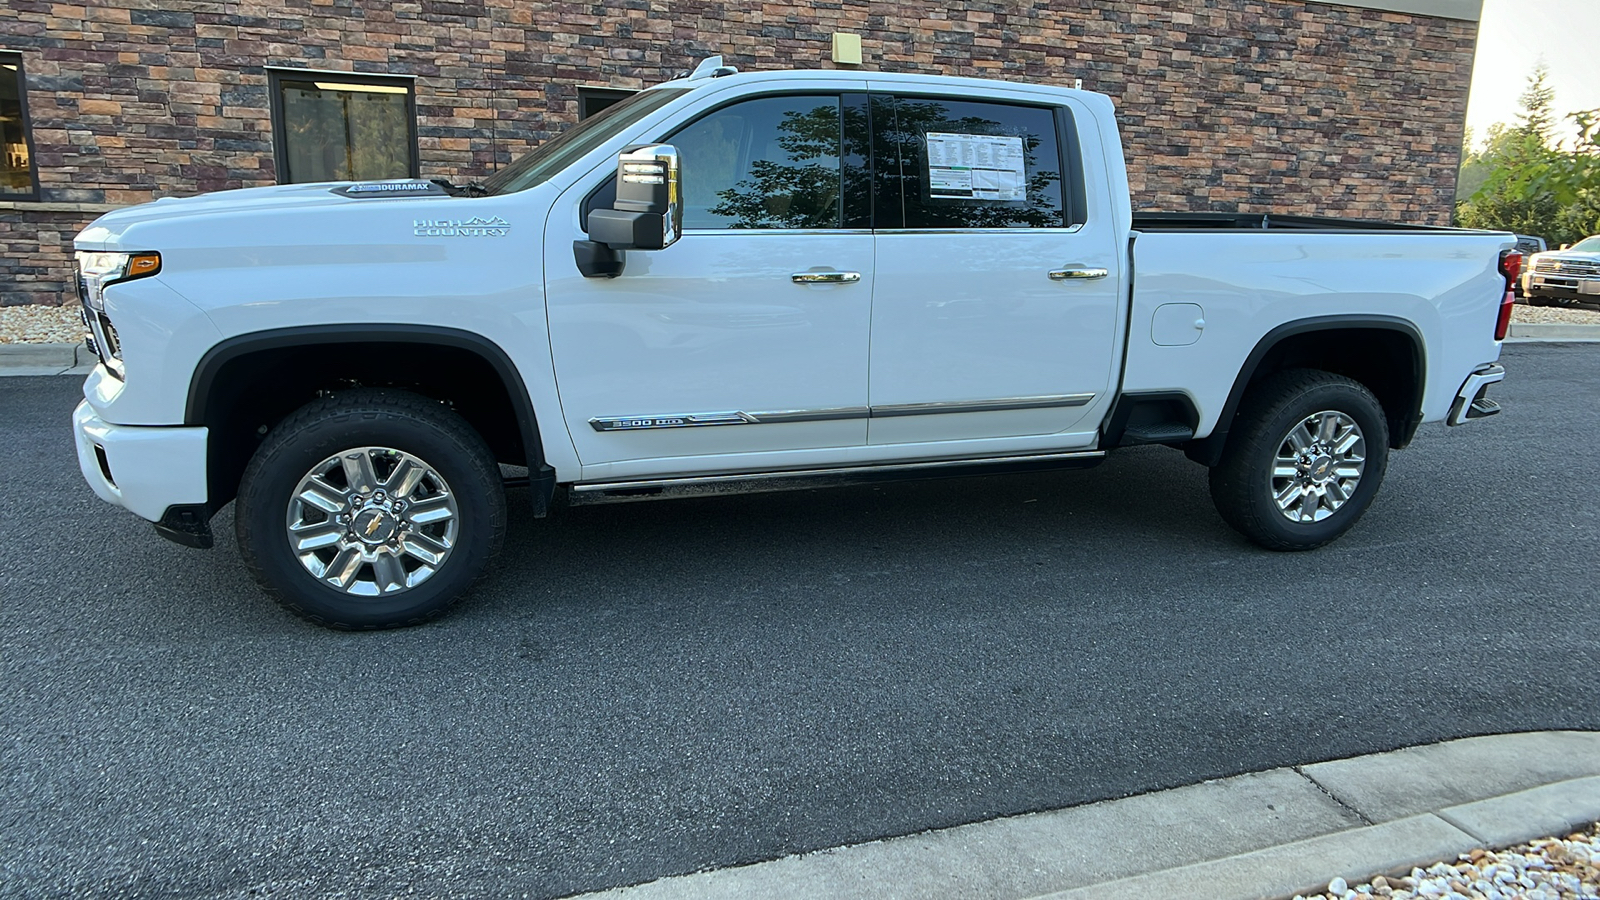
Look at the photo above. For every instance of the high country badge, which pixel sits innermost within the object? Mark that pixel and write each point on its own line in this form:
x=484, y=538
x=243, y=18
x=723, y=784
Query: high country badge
x=473, y=227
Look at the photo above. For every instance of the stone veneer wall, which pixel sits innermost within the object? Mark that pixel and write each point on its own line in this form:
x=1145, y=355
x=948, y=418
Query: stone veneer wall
x=1249, y=105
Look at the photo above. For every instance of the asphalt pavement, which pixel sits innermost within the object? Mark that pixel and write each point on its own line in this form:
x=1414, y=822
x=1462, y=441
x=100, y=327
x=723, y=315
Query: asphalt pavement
x=651, y=689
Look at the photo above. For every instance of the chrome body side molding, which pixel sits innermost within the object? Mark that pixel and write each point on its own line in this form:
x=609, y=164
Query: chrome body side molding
x=740, y=417
x=1048, y=401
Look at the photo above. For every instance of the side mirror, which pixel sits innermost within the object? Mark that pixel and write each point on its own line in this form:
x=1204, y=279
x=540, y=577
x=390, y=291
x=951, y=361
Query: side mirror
x=647, y=214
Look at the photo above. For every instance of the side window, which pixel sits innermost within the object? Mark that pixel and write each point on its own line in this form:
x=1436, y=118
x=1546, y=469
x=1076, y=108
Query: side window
x=969, y=164
x=770, y=162
x=17, y=179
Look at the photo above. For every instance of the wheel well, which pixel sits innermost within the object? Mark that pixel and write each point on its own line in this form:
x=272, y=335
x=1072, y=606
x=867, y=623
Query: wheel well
x=241, y=391
x=1385, y=356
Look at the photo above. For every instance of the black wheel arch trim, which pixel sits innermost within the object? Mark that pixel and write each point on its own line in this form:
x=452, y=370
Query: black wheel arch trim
x=277, y=338
x=1208, y=450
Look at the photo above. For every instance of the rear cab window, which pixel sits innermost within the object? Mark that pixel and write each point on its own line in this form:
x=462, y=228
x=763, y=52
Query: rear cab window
x=956, y=163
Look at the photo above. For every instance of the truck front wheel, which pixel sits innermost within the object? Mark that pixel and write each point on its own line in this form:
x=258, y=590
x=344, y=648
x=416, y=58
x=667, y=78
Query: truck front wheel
x=1303, y=460
x=370, y=509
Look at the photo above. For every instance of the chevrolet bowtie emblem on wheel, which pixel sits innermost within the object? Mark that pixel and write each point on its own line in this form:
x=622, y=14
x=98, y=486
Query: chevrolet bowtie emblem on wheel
x=373, y=525
x=494, y=226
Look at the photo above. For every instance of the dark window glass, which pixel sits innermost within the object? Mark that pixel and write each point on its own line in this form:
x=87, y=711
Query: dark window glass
x=337, y=129
x=771, y=162
x=16, y=162
x=967, y=164
x=595, y=100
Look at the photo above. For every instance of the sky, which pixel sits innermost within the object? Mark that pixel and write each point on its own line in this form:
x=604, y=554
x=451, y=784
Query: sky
x=1512, y=36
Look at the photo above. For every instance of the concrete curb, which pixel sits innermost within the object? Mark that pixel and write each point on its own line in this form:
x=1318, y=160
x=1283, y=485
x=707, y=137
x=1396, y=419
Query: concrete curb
x=1251, y=837
x=1554, y=331
x=45, y=359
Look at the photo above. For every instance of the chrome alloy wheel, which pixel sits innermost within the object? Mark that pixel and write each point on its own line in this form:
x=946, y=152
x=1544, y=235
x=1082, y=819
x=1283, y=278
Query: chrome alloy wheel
x=371, y=521
x=1318, y=465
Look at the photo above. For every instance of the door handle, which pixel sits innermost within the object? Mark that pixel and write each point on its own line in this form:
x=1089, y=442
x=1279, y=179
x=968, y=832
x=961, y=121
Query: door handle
x=1077, y=273
x=825, y=277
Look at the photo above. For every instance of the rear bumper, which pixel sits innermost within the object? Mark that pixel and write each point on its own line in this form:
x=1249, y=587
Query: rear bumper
x=142, y=469
x=1471, y=401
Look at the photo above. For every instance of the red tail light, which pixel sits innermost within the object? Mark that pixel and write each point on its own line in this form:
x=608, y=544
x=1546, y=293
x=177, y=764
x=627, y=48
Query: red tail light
x=1511, y=268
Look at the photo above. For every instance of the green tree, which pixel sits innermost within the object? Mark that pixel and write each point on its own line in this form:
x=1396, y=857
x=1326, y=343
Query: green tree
x=1521, y=180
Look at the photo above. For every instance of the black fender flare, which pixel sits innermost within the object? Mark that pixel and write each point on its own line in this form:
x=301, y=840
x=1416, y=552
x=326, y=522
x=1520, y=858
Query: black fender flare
x=1208, y=450
x=212, y=363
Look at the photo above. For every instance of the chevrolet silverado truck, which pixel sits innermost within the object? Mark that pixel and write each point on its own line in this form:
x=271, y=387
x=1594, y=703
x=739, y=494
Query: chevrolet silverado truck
x=1564, y=277
x=748, y=282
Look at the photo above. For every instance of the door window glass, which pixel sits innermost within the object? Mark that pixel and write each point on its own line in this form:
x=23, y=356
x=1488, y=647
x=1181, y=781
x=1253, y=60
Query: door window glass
x=771, y=162
x=968, y=164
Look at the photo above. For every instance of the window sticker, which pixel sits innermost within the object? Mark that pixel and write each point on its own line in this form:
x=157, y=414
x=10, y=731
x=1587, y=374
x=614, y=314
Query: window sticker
x=975, y=167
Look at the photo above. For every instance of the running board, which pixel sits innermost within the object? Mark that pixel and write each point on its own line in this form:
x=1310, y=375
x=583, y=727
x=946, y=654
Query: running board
x=586, y=494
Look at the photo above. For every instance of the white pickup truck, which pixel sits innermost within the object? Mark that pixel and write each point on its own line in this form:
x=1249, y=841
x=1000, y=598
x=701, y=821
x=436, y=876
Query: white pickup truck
x=740, y=282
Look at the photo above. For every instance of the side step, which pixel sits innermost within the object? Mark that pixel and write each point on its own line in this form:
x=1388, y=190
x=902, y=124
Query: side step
x=585, y=494
x=1157, y=433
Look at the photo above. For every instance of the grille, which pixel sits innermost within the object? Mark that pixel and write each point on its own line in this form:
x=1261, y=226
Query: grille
x=1577, y=267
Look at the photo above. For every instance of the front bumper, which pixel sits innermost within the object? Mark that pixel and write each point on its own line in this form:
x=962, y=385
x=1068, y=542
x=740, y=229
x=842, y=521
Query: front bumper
x=1539, y=284
x=145, y=470
x=1471, y=401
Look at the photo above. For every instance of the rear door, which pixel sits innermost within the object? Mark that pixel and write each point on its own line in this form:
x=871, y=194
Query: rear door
x=996, y=294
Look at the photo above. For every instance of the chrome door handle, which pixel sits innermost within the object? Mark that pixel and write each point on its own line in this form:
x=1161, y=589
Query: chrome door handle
x=1074, y=273
x=825, y=277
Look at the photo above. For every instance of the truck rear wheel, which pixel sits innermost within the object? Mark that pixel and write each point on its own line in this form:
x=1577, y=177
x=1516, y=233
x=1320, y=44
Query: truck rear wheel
x=370, y=509
x=1303, y=460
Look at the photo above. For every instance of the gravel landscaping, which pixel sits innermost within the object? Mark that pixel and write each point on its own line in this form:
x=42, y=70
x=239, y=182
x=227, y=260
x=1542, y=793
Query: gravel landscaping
x=40, y=325
x=1546, y=869
x=1563, y=315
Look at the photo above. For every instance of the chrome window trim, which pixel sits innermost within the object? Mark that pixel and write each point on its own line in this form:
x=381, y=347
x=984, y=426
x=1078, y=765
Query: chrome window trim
x=830, y=414
x=1070, y=229
x=789, y=231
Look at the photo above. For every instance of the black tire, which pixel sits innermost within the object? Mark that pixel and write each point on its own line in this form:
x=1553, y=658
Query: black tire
x=325, y=428
x=1242, y=485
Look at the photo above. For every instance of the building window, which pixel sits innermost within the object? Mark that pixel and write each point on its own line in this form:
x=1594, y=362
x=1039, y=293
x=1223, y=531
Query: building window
x=18, y=179
x=338, y=127
x=592, y=100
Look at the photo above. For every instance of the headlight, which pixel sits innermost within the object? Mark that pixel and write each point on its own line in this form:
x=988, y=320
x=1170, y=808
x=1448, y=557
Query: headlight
x=97, y=271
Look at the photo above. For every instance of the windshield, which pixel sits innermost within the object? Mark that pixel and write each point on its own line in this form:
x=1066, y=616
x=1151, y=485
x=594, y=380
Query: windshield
x=1588, y=244
x=556, y=154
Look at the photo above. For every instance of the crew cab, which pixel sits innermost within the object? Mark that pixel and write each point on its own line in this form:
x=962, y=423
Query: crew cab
x=748, y=282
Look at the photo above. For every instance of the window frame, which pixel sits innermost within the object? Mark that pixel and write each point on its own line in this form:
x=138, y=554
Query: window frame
x=1074, y=198
x=276, y=76
x=844, y=204
x=7, y=57
x=605, y=191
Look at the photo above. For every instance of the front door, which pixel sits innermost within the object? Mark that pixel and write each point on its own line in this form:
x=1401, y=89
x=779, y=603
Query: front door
x=996, y=297
x=745, y=342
